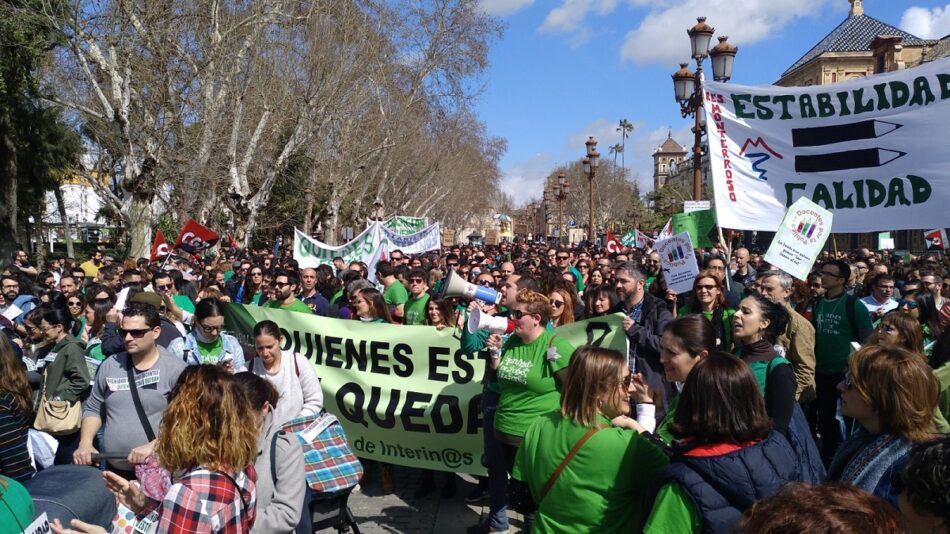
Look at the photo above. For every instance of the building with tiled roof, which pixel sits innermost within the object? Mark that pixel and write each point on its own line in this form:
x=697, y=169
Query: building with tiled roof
x=860, y=46
x=667, y=159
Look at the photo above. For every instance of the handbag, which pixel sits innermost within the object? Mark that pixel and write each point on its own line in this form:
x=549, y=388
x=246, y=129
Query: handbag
x=57, y=417
x=154, y=479
x=330, y=465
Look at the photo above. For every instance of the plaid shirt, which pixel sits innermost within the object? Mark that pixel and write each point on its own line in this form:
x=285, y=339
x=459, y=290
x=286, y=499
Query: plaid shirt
x=204, y=501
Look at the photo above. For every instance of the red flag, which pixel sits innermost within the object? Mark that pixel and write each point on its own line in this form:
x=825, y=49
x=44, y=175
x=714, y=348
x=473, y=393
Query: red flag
x=936, y=238
x=159, y=247
x=195, y=238
x=612, y=244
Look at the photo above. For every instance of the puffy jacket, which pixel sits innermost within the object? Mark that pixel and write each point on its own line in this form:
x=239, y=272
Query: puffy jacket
x=723, y=487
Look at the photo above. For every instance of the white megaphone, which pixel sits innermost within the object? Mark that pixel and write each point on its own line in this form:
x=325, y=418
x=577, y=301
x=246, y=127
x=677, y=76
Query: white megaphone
x=482, y=321
x=456, y=286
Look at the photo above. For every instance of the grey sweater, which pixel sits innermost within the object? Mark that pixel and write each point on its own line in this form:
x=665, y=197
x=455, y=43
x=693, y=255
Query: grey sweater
x=279, y=508
x=111, y=401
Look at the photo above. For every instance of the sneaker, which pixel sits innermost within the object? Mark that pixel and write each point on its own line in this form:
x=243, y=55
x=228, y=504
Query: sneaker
x=484, y=528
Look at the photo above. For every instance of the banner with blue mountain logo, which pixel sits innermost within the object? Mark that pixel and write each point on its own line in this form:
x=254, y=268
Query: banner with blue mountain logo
x=871, y=151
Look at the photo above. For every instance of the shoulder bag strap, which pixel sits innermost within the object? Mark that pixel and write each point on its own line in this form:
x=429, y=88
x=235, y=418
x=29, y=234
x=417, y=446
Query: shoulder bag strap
x=567, y=459
x=149, y=433
x=273, y=456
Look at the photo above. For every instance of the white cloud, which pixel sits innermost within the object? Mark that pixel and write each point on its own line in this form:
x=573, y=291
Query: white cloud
x=524, y=180
x=926, y=23
x=661, y=37
x=569, y=16
x=502, y=8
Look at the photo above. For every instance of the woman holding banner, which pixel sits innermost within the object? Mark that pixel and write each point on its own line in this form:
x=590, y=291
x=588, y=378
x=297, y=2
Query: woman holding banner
x=585, y=473
x=531, y=367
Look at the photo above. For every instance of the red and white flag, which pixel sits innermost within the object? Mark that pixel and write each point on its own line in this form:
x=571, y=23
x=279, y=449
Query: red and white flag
x=936, y=238
x=195, y=238
x=160, y=247
x=612, y=244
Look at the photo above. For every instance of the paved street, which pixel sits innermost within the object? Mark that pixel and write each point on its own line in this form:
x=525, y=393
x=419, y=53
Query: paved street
x=401, y=512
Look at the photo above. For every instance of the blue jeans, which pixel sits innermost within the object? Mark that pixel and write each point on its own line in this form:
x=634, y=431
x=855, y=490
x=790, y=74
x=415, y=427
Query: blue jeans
x=495, y=462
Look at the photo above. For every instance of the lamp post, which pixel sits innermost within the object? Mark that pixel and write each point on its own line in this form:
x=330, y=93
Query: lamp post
x=688, y=86
x=561, y=190
x=590, y=161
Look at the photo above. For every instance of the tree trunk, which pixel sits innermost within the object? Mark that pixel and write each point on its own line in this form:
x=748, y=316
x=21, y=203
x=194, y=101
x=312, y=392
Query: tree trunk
x=67, y=228
x=140, y=226
x=8, y=198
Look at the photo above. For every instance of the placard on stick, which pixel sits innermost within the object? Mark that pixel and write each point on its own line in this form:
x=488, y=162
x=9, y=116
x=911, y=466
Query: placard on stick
x=800, y=238
x=678, y=262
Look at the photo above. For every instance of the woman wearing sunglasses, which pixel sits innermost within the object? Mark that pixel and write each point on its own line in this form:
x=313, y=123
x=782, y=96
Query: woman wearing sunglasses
x=898, y=330
x=891, y=393
x=709, y=299
x=921, y=306
x=207, y=342
x=562, y=307
x=75, y=305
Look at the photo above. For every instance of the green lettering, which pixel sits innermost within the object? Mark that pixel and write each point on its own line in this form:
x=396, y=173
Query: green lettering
x=944, y=86
x=920, y=189
x=859, y=190
x=739, y=103
x=882, y=102
x=860, y=105
x=922, y=93
x=900, y=93
x=877, y=193
x=822, y=196
x=843, y=100
x=784, y=100
x=825, y=107
x=790, y=188
x=761, y=110
x=842, y=201
x=807, y=109
x=896, y=193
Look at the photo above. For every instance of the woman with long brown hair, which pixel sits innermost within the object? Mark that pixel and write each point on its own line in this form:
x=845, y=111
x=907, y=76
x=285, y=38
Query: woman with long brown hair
x=562, y=306
x=616, y=465
x=900, y=330
x=16, y=408
x=208, y=438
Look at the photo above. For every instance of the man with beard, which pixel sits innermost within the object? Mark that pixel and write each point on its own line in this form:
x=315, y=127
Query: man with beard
x=285, y=290
x=651, y=267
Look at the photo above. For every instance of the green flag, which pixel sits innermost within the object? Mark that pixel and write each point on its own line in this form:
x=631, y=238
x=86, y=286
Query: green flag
x=699, y=224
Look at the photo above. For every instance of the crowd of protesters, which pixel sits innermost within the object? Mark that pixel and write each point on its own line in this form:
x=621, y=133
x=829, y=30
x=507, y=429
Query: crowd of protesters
x=752, y=403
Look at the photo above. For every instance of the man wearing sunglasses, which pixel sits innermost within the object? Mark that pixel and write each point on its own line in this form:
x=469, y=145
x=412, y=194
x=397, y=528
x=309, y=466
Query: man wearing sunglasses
x=415, y=307
x=285, y=293
x=111, y=405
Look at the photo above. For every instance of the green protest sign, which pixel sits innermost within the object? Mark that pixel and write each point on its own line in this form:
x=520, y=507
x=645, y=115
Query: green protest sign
x=698, y=224
x=405, y=395
x=405, y=225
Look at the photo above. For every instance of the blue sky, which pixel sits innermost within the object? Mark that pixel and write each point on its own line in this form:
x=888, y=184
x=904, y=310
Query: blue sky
x=567, y=69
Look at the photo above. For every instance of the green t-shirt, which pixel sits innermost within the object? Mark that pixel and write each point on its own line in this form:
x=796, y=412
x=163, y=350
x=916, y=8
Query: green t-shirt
x=296, y=306
x=663, y=427
x=209, y=352
x=526, y=379
x=396, y=294
x=834, y=334
x=673, y=511
x=415, y=310
x=942, y=413
x=601, y=488
x=18, y=511
x=184, y=303
x=94, y=355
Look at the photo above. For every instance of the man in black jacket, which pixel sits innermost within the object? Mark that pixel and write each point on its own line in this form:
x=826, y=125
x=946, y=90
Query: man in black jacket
x=646, y=318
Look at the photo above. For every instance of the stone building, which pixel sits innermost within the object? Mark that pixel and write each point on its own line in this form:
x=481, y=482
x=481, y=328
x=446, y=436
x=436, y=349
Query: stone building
x=668, y=161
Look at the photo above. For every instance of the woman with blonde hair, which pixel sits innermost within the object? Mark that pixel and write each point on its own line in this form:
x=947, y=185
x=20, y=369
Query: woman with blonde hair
x=16, y=408
x=586, y=472
x=208, y=439
x=892, y=393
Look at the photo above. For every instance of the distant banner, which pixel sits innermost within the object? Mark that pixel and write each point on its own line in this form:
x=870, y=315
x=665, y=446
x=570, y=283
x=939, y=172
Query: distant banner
x=429, y=238
x=872, y=151
x=404, y=225
x=405, y=395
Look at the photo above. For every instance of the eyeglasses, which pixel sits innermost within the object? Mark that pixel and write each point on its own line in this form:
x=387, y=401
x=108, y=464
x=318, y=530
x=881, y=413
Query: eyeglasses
x=207, y=329
x=74, y=304
x=258, y=273
x=416, y=281
x=626, y=381
x=164, y=287
x=486, y=283
x=279, y=285
x=518, y=314
x=705, y=287
x=557, y=303
x=911, y=304
x=562, y=258
x=134, y=332
x=453, y=264
x=583, y=266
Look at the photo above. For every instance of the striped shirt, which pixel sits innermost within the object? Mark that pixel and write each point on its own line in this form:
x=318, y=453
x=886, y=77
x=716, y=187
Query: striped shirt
x=14, y=432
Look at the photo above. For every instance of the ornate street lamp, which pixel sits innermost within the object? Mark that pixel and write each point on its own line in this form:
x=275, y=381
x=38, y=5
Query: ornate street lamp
x=561, y=189
x=591, y=161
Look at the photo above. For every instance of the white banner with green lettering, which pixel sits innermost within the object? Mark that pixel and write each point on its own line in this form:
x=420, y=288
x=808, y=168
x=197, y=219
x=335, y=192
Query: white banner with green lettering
x=872, y=151
x=405, y=225
x=405, y=394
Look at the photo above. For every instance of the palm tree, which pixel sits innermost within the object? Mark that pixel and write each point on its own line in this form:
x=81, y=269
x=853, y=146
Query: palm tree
x=616, y=150
x=624, y=128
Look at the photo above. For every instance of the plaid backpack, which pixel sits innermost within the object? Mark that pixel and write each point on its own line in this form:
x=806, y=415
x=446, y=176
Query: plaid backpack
x=330, y=464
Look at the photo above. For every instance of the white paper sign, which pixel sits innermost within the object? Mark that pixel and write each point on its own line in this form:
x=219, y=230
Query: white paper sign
x=12, y=312
x=39, y=526
x=690, y=206
x=678, y=262
x=800, y=238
